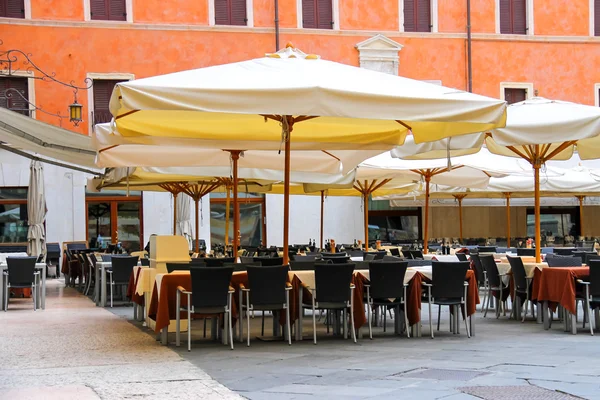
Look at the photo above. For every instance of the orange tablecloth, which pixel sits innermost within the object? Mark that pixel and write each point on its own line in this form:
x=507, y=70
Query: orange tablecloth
x=131, y=294
x=557, y=285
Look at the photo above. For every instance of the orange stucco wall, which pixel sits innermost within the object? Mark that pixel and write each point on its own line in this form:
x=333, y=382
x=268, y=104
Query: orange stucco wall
x=559, y=67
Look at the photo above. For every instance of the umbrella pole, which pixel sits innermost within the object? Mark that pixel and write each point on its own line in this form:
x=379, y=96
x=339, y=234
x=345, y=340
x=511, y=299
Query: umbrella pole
x=507, y=195
x=459, y=198
x=426, y=235
x=581, y=198
x=174, y=213
x=322, y=209
x=366, y=209
x=536, y=170
x=286, y=201
x=227, y=205
x=197, y=226
x=235, y=155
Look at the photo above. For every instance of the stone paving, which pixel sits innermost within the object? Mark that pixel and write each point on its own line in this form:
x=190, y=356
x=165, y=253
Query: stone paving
x=75, y=350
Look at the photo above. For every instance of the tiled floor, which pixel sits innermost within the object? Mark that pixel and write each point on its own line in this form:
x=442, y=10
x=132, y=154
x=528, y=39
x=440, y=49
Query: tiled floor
x=74, y=350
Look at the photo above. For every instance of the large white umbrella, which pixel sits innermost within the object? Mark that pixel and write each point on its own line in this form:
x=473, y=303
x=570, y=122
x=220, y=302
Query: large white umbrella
x=36, y=210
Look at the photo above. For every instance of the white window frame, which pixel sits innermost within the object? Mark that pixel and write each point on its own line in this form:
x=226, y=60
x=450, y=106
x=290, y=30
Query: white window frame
x=335, y=13
x=592, y=22
x=87, y=13
x=596, y=95
x=30, y=87
x=528, y=86
x=528, y=17
x=27, y=7
x=90, y=92
x=434, y=16
x=249, y=13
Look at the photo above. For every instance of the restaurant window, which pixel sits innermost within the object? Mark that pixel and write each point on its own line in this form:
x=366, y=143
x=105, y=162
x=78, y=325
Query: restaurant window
x=103, y=89
x=515, y=95
x=14, y=94
x=231, y=12
x=556, y=222
x=13, y=215
x=417, y=16
x=108, y=10
x=253, y=230
x=596, y=17
x=12, y=8
x=513, y=17
x=317, y=14
x=393, y=224
x=113, y=217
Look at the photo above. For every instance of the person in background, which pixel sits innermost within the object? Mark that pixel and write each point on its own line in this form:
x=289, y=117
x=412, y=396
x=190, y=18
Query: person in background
x=147, y=248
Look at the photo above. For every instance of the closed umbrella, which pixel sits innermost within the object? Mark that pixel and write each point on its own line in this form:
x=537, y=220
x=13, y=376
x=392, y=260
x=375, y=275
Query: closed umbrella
x=36, y=210
x=184, y=217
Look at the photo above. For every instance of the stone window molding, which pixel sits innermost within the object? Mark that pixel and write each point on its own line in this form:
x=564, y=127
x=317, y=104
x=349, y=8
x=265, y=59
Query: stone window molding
x=380, y=53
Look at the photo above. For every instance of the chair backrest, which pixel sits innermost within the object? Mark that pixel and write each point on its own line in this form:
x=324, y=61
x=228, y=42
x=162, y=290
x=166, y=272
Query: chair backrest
x=407, y=254
x=490, y=266
x=387, y=279
x=395, y=251
x=343, y=259
x=179, y=266
x=392, y=258
x=21, y=270
x=368, y=257
x=145, y=262
x=448, y=279
x=218, y=262
x=563, y=261
x=595, y=278
x=332, y=282
x=122, y=267
x=238, y=267
x=526, y=252
x=461, y=257
x=106, y=257
x=312, y=257
x=267, y=284
x=269, y=261
x=584, y=255
x=331, y=255
x=355, y=253
x=563, y=251
x=487, y=249
x=518, y=272
x=418, y=263
x=416, y=254
x=301, y=265
x=373, y=255
x=246, y=259
x=210, y=286
x=478, y=269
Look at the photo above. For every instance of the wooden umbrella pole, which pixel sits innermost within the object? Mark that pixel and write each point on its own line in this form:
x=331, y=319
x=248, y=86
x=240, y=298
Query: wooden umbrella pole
x=366, y=212
x=235, y=155
x=286, y=201
x=322, y=213
x=227, y=205
x=538, y=241
x=175, y=213
x=507, y=195
x=581, y=198
x=426, y=235
x=196, y=200
x=460, y=220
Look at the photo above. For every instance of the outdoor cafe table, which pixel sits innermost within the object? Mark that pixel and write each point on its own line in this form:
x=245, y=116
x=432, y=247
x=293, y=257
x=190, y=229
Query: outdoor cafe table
x=531, y=268
x=138, y=277
x=41, y=300
x=102, y=281
x=556, y=286
x=441, y=257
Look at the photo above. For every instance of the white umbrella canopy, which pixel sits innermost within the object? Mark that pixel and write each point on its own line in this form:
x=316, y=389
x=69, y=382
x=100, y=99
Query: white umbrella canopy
x=36, y=210
x=444, y=148
x=183, y=217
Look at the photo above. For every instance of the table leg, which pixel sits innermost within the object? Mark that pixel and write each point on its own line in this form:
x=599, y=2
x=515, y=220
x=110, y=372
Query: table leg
x=103, y=287
x=538, y=307
x=300, y=319
x=97, y=285
x=574, y=324
x=471, y=326
x=545, y=314
x=164, y=334
x=2, y=288
x=43, y=287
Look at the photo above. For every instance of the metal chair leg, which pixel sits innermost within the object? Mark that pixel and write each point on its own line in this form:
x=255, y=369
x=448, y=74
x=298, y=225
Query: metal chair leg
x=189, y=315
x=439, y=317
x=430, y=324
x=314, y=318
x=178, y=319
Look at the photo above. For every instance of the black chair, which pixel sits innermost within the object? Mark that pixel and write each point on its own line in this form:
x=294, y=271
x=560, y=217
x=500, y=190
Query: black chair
x=145, y=262
x=355, y=253
x=269, y=291
x=496, y=287
x=525, y=252
x=53, y=259
x=584, y=255
x=106, y=257
x=241, y=267
x=246, y=259
x=311, y=257
x=376, y=255
x=218, y=262
x=486, y=249
x=448, y=288
x=210, y=294
x=522, y=286
x=461, y=257
x=21, y=274
x=563, y=251
x=336, y=258
x=120, y=272
x=481, y=275
x=407, y=254
x=416, y=254
x=301, y=265
x=395, y=251
x=269, y=261
x=418, y=263
x=387, y=288
x=334, y=291
x=557, y=261
x=392, y=258
x=179, y=266
x=592, y=293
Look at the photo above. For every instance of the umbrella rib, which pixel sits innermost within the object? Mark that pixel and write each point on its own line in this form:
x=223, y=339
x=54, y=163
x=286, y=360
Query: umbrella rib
x=126, y=114
x=302, y=118
x=404, y=125
x=331, y=155
x=519, y=153
x=382, y=183
x=560, y=148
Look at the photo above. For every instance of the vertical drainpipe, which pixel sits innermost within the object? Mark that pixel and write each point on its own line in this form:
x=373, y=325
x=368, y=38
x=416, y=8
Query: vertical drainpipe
x=276, y=25
x=469, y=63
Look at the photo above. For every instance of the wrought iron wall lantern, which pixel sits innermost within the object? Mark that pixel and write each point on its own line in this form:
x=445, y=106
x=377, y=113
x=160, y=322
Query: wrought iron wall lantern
x=14, y=62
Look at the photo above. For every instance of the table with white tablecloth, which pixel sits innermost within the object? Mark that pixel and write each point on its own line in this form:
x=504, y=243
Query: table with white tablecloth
x=4, y=256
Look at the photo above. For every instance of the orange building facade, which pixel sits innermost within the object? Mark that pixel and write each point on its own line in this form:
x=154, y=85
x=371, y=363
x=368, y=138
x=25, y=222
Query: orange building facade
x=556, y=56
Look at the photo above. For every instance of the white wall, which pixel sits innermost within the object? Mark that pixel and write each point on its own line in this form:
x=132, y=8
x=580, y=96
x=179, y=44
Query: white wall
x=158, y=214
x=343, y=219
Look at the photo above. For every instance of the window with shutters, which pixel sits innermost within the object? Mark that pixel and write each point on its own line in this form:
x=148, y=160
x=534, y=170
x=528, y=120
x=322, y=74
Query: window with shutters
x=103, y=89
x=513, y=17
x=417, y=16
x=231, y=12
x=12, y=8
x=108, y=10
x=317, y=14
x=14, y=94
x=596, y=16
x=515, y=95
